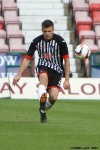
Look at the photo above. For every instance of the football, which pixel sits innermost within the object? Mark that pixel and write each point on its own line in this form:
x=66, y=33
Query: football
x=82, y=51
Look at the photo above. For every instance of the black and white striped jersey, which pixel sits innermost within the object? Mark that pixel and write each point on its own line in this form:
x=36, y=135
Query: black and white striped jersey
x=51, y=53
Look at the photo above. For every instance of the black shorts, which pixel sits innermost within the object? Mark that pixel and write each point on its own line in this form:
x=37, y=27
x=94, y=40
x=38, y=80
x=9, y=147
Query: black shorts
x=54, y=78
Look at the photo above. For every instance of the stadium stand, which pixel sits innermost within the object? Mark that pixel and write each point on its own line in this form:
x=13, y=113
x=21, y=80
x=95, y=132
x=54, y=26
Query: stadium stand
x=9, y=9
x=87, y=37
x=1, y=22
x=87, y=21
x=20, y=22
x=56, y=10
x=14, y=37
x=12, y=23
x=11, y=36
x=4, y=48
x=17, y=48
x=2, y=36
x=83, y=23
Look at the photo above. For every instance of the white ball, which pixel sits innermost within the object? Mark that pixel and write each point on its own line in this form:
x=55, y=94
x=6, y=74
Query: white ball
x=82, y=51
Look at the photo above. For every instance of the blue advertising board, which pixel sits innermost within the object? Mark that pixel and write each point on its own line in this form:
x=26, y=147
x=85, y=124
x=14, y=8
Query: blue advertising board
x=9, y=64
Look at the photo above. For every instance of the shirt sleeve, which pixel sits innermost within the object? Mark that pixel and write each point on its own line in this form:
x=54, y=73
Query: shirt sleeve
x=31, y=50
x=64, y=49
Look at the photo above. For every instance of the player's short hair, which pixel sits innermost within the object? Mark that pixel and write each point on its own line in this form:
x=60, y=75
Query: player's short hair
x=47, y=23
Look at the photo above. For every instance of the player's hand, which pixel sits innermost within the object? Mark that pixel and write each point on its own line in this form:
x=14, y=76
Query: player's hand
x=66, y=85
x=15, y=80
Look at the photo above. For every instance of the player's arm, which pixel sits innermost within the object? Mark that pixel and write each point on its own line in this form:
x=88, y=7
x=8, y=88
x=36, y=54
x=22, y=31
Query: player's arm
x=66, y=83
x=25, y=62
x=65, y=56
x=23, y=66
x=67, y=68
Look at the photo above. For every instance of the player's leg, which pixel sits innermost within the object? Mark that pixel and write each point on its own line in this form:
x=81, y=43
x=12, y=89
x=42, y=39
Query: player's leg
x=53, y=89
x=53, y=94
x=42, y=93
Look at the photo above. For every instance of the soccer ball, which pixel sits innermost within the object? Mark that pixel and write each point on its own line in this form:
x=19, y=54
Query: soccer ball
x=82, y=51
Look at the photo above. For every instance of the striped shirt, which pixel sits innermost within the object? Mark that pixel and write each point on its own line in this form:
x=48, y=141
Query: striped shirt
x=51, y=53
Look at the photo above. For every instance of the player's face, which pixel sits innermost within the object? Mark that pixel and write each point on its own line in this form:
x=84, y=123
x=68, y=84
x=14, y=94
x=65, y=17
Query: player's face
x=48, y=33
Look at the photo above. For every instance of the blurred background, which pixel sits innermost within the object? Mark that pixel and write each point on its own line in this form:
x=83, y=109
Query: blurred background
x=76, y=21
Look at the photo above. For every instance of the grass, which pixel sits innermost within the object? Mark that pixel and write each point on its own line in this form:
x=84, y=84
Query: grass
x=72, y=124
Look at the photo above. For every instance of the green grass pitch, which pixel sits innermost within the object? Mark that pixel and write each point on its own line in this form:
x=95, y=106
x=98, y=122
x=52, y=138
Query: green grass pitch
x=72, y=124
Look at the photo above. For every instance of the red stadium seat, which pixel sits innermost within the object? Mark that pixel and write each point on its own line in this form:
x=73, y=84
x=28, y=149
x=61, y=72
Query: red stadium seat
x=87, y=37
x=95, y=14
x=83, y=23
x=95, y=10
x=94, y=7
x=1, y=23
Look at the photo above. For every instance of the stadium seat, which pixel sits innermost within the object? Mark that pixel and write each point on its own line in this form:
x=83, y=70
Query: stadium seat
x=79, y=6
x=2, y=37
x=97, y=33
x=79, y=13
x=12, y=23
x=99, y=46
x=1, y=23
x=96, y=22
x=4, y=48
x=94, y=1
x=98, y=37
x=94, y=9
x=83, y=23
x=14, y=37
x=17, y=48
x=87, y=37
x=0, y=9
x=10, y=1
x=97, y=28
x=77, y=1
x=93, y=48
x=94, y=6
x=9, y=9
x=95, y=14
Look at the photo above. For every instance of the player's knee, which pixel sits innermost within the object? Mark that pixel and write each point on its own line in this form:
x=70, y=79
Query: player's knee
x=53, y=98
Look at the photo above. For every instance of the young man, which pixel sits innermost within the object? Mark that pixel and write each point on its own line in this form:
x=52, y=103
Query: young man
x=52, y=49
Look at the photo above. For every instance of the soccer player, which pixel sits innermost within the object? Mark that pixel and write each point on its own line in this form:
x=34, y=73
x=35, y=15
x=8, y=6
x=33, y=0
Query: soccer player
x=52, y=50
